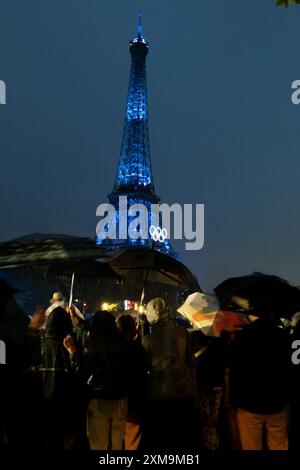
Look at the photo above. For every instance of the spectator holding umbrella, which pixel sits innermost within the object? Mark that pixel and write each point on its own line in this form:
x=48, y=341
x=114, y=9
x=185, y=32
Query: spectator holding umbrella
x=58, y=300
x=259, y=367
x=172, y=381
x=260, y=359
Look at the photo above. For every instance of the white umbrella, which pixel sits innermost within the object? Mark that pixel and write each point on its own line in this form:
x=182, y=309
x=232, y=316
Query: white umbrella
x=200, y=310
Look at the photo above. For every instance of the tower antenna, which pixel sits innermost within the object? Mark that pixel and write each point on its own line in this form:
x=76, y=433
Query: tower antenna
x=140, y=23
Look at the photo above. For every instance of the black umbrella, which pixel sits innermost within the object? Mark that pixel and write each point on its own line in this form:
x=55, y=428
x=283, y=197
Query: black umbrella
x=34, y=256
x=46, y=248
x=152, y=265
x=85, y=268
x=82, y=269
x=263, y=293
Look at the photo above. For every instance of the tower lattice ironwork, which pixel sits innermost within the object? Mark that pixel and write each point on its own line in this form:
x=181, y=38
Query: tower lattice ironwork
x=134, y=174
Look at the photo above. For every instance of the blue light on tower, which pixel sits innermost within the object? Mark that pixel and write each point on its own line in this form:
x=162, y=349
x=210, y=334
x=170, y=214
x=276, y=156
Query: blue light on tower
x=134, y=174
x=134, y=169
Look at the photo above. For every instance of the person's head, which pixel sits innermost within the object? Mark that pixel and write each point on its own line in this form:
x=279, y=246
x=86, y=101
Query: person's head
x=157, y=310
x=58, y=324
x=127, y=326
x=57, y=297
x=103, y=325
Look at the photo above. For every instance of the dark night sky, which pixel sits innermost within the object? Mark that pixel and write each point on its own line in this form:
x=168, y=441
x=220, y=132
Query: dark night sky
x=223, y=129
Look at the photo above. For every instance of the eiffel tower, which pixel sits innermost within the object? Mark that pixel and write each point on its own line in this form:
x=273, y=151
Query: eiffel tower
x=134, y=174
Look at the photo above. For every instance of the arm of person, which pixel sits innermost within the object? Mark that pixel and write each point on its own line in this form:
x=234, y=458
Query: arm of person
x=76, y=358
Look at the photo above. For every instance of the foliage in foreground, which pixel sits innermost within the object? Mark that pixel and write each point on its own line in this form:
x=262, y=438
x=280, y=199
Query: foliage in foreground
x=286, y=3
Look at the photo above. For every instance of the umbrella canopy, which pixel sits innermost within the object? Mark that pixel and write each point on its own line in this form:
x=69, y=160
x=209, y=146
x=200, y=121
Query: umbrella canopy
x=200, y=310
x=229, y=321
x=45, y=248
x=85, y=268
x=203, y=312
x=152, y=265
x=260, y=293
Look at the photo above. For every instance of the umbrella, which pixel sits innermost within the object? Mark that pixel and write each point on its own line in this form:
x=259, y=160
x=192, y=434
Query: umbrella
x=85, y=268
x=151, y=265
x=205, y=315
x=200, y=310
x=260, y=293
x=32, y=257
x=45, y=248
x=229, y=321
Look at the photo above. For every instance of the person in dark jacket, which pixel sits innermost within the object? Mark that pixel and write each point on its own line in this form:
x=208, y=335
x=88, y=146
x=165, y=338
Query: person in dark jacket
x=105, y=369
x=172, y=381
x=211, y=361
x=21, y=396
x=260, y=383
x=137, y=382
x=61, y=391
x=12, y=336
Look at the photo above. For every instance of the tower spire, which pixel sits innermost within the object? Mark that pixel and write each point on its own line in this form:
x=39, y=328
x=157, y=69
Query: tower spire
x=134, y=169
x=139, y=31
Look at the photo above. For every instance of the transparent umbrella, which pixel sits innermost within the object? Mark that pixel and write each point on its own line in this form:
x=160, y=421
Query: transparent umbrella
x=203, y=312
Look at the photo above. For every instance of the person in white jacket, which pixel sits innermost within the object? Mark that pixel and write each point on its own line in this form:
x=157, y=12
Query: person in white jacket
x=58, y=300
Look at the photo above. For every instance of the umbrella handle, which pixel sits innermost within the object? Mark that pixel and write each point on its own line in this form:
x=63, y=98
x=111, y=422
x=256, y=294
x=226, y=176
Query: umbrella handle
x=142, y=295
x=138, y=323
x=71, y=291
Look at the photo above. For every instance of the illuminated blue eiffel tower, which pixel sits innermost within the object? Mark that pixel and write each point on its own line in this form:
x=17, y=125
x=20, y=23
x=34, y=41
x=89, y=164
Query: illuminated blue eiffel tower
x=134, y=174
